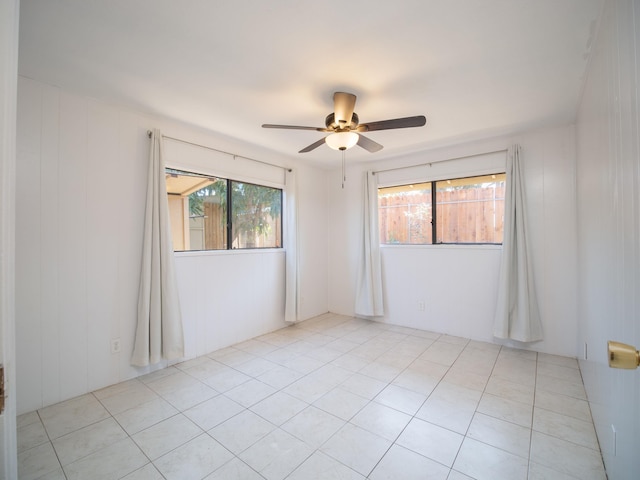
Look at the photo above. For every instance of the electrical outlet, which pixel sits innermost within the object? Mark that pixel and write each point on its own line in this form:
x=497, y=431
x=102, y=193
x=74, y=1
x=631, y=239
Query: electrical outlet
x=115, y=345
x=421, y=305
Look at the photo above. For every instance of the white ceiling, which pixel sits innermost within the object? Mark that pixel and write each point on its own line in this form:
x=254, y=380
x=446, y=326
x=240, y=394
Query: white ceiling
x=473, y=67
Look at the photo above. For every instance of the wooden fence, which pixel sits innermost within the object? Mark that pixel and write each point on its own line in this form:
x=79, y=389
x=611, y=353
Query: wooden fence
x=467, y=215
x=215, y=231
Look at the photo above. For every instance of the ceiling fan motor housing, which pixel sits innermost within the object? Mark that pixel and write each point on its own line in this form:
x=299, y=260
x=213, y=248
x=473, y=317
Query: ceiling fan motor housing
x=331, y=123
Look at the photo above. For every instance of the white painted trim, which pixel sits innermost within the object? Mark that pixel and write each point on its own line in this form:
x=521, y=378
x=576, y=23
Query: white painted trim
x=9, y=13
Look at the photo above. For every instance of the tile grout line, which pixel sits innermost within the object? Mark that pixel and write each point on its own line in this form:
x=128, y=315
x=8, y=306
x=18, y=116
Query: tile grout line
x=388, y=340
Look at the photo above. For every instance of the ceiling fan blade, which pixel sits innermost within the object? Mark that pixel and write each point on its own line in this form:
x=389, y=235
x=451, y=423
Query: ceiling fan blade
x=295, y=127
x=313, y=146
x=406, y=122
x=368, y=144
x=343, y=105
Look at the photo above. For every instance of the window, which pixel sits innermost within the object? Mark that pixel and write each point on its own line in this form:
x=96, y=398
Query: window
x=256, y=216
x=211, y=213
x=461, y=210
x=405, y=214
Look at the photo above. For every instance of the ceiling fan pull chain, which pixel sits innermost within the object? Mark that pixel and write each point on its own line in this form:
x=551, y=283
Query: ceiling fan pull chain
x=344, y=171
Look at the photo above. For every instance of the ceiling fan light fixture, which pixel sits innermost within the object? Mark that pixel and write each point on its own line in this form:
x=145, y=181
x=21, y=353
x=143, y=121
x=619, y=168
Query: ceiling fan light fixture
x=342, y=125
x=342, y=140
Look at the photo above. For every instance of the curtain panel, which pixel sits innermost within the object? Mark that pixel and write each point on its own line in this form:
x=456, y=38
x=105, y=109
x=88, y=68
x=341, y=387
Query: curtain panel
x=369, y=294
x=292, y=275
x=159, y=332
x=517, y=315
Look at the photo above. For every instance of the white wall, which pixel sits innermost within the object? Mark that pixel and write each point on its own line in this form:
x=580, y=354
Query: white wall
x=438, y=274
x=81, y=182
x=228, y=297
x=608, y=189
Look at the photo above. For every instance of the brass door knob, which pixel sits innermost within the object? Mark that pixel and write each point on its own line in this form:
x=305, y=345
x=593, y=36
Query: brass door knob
x=622, y=355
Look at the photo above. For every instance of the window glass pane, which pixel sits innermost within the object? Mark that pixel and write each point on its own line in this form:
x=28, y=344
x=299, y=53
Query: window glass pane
x=256, y=216
x=197, y=211
x=470, y=210
x=405, y=214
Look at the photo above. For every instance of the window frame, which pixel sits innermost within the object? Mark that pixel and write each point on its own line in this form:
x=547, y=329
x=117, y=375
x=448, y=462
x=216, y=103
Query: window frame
x=230, y=182
x=434, y=209
x=228, y=214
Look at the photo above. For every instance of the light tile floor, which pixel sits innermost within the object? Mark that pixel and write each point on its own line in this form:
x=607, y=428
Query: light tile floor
x=330, y=398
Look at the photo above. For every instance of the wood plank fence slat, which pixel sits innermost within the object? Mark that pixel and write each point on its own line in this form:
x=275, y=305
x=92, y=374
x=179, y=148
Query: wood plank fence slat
x=469, y=215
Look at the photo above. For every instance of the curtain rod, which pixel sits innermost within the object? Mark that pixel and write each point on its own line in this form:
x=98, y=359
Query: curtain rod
x=439, y=161
x=221, y=151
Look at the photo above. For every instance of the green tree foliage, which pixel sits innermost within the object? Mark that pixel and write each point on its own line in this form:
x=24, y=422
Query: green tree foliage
x=251, y=207
x=196, y=200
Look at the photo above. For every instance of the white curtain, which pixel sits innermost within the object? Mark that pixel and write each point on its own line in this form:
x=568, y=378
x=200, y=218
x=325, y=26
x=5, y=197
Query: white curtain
x=369, y=301
x=159, y=330
x=292, y=276
x=517, y=315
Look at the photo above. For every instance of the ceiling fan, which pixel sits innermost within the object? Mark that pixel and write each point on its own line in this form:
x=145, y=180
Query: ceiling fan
x=344, y=128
